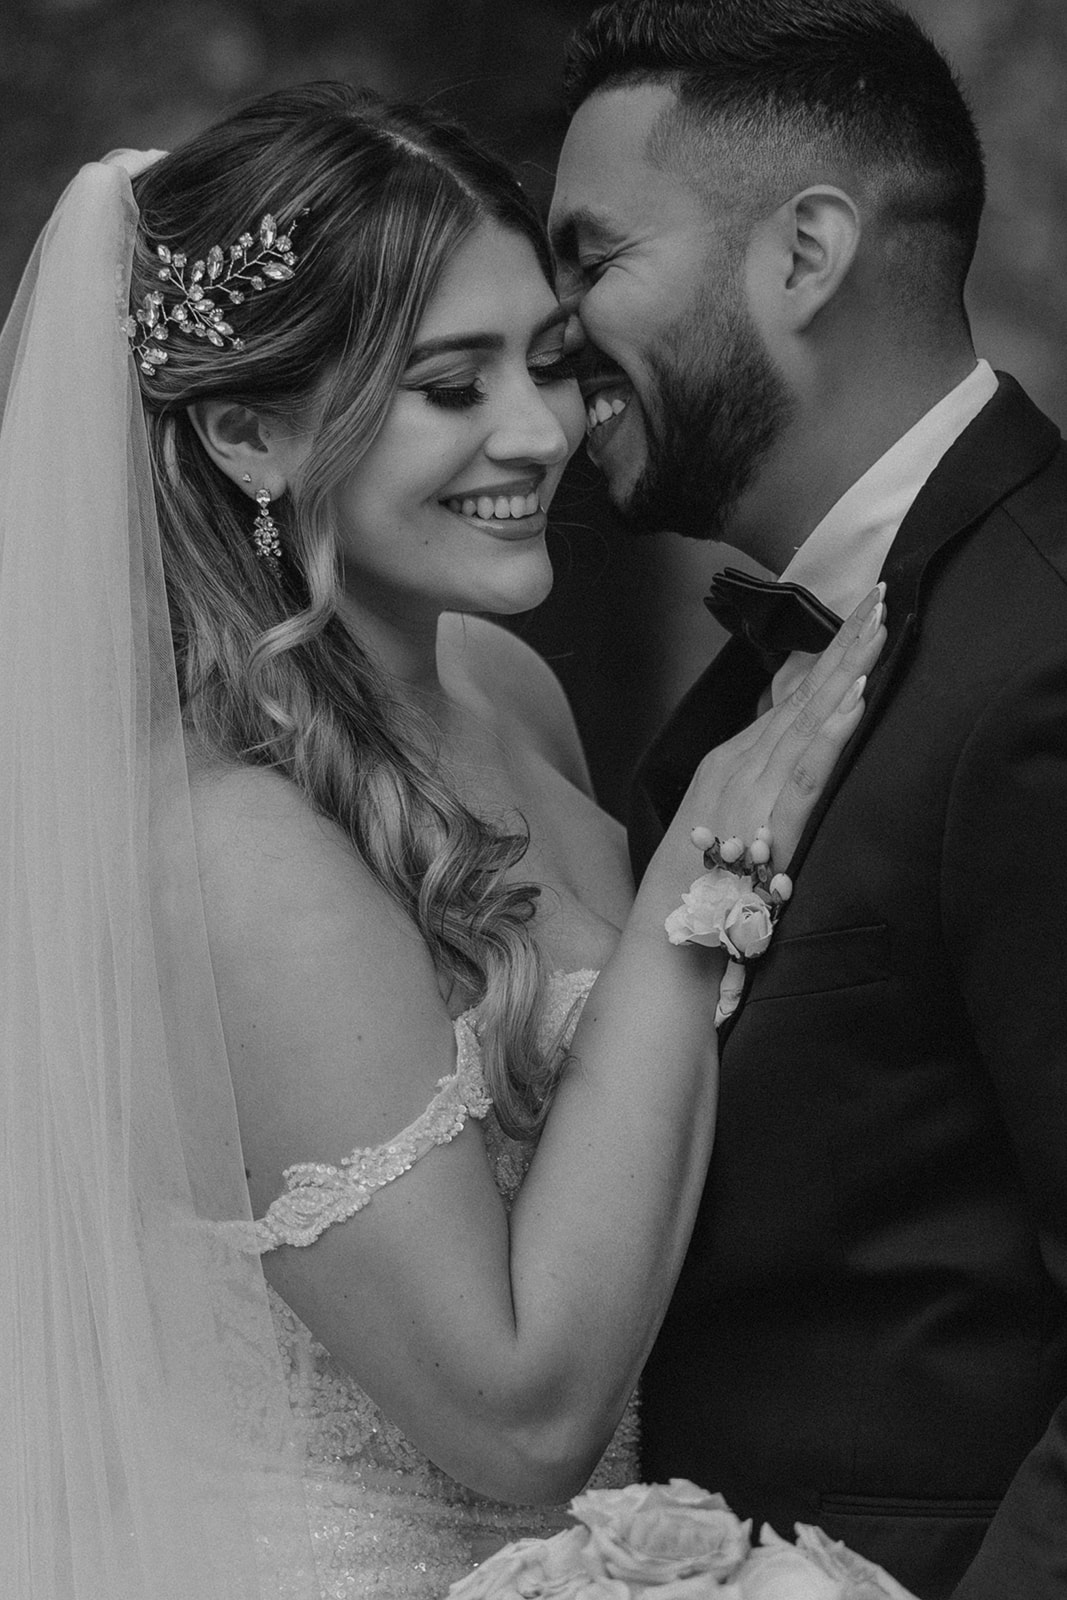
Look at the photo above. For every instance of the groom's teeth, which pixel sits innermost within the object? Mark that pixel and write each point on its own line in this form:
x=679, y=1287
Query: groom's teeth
x=602, y=410
x=500, y=508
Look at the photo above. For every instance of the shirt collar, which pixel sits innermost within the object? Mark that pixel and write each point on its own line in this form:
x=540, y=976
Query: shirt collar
x=842, y=557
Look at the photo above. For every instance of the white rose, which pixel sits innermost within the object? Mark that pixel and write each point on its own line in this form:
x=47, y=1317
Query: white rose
x=560, y=1568
x=815, y=1568
x=663, y=1534
x=705, y=909
x=748, y=928
x=782, y=1572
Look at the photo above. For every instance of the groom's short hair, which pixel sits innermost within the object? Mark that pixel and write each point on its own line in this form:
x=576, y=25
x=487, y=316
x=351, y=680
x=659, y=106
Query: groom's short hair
x=769, y=90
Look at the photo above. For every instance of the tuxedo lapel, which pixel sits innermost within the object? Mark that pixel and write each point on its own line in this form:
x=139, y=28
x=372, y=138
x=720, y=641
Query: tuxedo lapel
x=1008, y=442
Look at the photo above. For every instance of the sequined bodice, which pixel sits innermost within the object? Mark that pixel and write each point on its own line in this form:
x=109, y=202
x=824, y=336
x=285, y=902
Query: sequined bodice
x=384, y=1520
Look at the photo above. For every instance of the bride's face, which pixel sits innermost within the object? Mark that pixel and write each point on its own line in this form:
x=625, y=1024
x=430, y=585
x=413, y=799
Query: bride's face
x=446, y=511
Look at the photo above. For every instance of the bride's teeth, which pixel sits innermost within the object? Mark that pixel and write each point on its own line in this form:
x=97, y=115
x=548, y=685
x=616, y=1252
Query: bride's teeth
x=500, y=508
x=618, y=406
x=603, y=409
x=590, y=413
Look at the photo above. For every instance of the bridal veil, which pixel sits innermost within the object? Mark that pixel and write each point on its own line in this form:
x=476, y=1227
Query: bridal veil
x=144, y=1426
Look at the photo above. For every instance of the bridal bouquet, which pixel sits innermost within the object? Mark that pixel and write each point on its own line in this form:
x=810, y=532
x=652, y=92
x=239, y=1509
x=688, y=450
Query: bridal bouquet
x=673, y=1542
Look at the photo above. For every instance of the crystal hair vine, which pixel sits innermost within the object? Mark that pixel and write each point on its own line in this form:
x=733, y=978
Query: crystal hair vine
x=250, y=264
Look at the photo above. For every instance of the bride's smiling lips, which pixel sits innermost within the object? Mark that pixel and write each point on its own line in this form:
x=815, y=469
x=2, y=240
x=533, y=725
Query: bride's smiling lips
x=509, y=510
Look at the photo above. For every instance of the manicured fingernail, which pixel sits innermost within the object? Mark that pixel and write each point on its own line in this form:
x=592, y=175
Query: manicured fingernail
x=872, y=622
x=854, y=695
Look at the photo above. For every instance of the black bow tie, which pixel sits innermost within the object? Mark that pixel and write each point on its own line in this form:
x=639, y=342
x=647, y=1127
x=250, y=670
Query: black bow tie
x=777, y=618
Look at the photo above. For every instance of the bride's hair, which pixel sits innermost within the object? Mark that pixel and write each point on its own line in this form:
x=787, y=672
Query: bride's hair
x=269, y=671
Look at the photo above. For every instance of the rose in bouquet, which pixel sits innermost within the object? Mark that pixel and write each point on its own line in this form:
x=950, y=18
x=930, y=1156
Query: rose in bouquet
x=673, y=1542
x=814, y=1568
x=662, y=1537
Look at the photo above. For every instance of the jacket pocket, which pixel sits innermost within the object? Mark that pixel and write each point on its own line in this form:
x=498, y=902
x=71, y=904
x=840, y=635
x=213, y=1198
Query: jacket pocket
x=816, y=963
x=869, y=1505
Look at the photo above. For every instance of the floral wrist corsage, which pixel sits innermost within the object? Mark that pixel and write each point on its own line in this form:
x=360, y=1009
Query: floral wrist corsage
x=735, y=904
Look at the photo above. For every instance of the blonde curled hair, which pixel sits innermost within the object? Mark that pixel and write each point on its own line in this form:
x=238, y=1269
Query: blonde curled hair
x=270, y=672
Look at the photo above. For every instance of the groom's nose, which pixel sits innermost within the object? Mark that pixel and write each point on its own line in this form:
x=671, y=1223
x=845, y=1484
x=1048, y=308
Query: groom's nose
x=570, y=287
x=588, y=359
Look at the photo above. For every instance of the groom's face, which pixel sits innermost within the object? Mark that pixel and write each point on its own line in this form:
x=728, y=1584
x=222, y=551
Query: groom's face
x=682, y=398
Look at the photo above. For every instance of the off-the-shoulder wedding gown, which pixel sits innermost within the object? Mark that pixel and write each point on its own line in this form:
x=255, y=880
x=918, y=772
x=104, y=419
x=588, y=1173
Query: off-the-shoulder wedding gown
x=384, y=1520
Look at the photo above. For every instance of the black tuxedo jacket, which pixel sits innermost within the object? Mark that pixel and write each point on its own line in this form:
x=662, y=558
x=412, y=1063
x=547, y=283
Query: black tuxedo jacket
x=870, y=1331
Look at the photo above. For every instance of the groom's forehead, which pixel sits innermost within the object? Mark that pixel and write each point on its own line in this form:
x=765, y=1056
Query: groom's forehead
x=609, y=132
x=604, y=172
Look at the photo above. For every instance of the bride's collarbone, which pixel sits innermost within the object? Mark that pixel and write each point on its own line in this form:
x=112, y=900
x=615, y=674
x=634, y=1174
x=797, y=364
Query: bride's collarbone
x=570, y=935
x=508, y=735
x=576, y=853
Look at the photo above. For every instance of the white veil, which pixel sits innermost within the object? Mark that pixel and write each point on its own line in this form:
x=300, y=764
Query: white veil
x=144, y=1447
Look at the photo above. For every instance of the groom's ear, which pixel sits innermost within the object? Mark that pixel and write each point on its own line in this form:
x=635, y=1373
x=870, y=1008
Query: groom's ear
x=809, y=244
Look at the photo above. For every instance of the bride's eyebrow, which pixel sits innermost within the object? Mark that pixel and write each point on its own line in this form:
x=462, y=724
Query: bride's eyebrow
x=451, y=343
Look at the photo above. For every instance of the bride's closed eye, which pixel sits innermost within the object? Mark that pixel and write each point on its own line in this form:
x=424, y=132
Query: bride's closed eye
x=453, y=396
x=558, y=362
x=553, y=367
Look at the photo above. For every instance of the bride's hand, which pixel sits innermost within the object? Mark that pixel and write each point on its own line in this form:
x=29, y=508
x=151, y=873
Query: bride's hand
x=773, y=772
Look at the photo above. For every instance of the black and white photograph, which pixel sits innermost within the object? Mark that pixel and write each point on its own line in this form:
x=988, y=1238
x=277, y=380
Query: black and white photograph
x=533, y=800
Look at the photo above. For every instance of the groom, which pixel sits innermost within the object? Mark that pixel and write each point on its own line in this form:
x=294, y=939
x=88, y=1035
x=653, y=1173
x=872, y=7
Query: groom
x=764, y=215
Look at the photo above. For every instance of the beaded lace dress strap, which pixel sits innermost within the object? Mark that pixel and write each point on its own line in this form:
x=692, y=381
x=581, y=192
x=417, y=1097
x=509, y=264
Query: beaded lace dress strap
x=318, y=1195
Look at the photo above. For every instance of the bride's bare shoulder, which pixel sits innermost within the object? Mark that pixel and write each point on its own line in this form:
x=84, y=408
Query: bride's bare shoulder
x=233, y=801
x=492, y=662
x=262, y=845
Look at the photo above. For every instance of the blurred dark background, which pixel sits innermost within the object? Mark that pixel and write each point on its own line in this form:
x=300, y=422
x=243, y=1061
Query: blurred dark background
x=624, y=628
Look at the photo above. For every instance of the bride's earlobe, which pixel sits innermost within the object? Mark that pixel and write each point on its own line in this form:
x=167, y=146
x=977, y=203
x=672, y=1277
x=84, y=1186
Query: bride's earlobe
x=235, y=438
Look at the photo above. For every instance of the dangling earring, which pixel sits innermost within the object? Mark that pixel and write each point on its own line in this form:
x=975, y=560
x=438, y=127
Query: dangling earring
x=265, y=533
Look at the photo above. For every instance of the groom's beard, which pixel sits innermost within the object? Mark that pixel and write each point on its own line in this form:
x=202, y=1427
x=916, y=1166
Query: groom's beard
x=715, y=415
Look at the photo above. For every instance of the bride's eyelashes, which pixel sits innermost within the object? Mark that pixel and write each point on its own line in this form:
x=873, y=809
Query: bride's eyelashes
x=458, y=397
x=452, y=396
x=561, y=369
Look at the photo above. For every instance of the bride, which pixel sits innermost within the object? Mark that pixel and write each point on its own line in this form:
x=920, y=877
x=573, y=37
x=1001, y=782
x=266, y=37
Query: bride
x=306, y=892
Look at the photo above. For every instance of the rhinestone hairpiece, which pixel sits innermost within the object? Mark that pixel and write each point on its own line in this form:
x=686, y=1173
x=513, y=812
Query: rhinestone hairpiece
x=254, y=261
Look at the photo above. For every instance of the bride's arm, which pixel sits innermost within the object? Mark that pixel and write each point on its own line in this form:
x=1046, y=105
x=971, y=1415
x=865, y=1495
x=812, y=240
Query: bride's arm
x=504, y=1352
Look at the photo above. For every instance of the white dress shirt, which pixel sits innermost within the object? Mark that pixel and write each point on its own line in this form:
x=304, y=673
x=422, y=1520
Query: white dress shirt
x=841, y=559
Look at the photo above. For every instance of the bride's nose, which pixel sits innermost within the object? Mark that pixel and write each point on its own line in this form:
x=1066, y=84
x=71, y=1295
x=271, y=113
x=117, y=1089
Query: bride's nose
x=528, y=425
